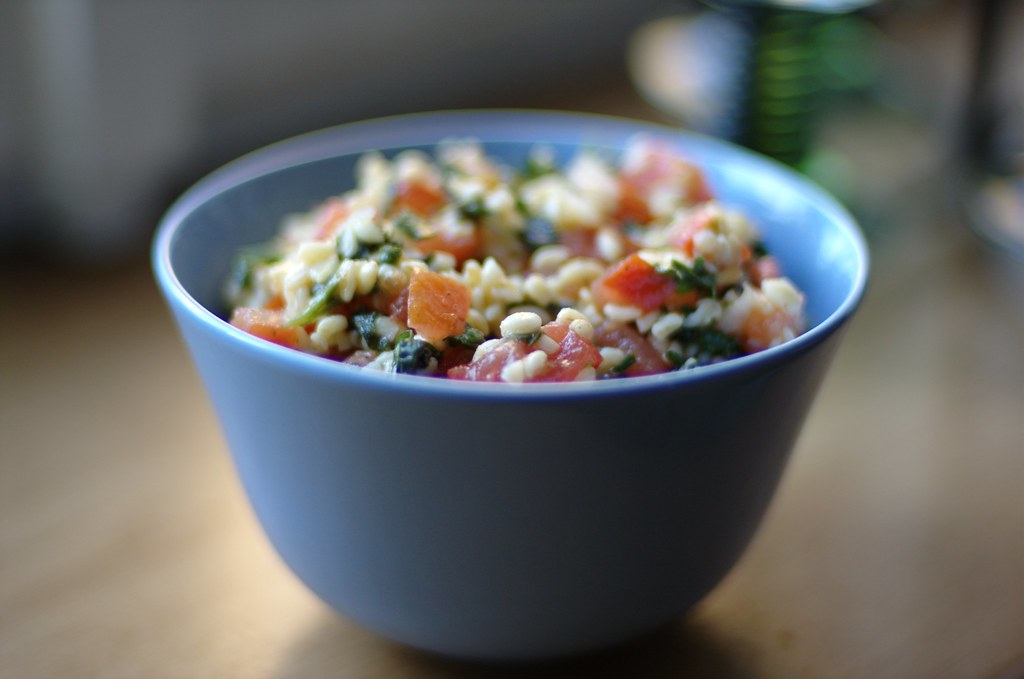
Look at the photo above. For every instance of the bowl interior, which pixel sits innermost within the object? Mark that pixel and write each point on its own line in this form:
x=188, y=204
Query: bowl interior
x=817, y=242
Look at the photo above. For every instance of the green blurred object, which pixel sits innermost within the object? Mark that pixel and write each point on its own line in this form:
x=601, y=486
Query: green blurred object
x=788, y=56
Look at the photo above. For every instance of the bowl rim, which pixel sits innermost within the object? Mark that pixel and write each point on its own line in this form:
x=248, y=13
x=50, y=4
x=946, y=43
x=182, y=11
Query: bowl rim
x=505, y=125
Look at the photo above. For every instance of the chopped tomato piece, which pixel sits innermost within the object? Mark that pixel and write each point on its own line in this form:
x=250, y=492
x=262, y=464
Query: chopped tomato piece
x=580, y=242
x=763, y=327
x=648, y=359
x=462, y=246
x=453, y=357
x=556, y=331
x=699, y=191
x=275, y=303
x=762, y=268
x=396, y=306
x=679, y=300
x=660, y=166
x=632, y=204
x=423, y=199
x=490, y=365
x=329, y=218
x=574, y=354
x=634, y=282
x=266, y=324
x=682, y=233
x=437, y=305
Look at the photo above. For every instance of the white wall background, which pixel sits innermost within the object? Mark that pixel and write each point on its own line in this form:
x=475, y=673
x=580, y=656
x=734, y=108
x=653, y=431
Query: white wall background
x=107, y=107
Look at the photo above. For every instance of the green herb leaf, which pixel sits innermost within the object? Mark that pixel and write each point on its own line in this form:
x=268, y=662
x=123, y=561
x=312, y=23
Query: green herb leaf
x=245, y=263
x=413, y=356
x=698, y=277
x=407, y=224
x=366, y=325
x=537, y=166
x=471, y=338
x=323, y=298
x=624, y=365
x=474, y=209
x=710, y=343
x=539, y=232
x=530, y=338
x=388, y=253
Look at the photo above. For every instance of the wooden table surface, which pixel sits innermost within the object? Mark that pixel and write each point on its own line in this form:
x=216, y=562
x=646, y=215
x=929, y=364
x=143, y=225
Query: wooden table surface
x=894, y=547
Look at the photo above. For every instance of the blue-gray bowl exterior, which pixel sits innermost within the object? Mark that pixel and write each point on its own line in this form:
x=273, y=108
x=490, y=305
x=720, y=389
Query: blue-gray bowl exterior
x=504, y=521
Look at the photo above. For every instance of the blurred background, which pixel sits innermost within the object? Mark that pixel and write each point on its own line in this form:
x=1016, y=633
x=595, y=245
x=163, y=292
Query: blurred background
x=895, y=545
x=110, y=108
